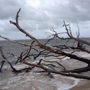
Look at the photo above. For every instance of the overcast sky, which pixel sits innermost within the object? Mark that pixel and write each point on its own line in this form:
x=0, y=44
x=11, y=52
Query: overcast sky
x=38, y=16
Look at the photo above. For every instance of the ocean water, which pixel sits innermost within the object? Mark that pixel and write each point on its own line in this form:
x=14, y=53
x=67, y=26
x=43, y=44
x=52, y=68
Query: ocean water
x=17, y=49
x=31, y=80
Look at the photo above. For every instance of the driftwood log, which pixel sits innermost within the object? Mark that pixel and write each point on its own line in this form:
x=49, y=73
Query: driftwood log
x=46, y=51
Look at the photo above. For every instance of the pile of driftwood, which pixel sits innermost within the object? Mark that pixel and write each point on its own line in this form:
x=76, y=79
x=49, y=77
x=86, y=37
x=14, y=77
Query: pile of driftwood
x=46, y=51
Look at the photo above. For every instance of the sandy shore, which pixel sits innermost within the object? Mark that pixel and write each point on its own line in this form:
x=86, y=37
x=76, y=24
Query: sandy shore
x=34, y=81
x=82, y=85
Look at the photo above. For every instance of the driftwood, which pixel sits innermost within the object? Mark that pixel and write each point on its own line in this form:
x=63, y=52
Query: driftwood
x=55, y=51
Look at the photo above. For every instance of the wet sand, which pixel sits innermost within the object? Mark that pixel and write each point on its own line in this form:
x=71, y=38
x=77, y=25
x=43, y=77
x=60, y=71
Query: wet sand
x=84, y=85
x=35, y=81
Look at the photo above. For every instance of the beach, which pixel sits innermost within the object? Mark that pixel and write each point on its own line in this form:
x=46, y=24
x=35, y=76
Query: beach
x=85, y=85
x=33, y=81
x=37, y=81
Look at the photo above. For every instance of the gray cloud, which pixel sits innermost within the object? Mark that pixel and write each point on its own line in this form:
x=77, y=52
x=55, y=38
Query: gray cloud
x=49, y=13
x=78, y=11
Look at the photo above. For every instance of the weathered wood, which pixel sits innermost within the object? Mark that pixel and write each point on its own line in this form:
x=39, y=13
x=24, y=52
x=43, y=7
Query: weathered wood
x=50, y=68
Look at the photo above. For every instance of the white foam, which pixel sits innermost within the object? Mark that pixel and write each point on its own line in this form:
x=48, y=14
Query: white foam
x=19, y=80
x=76, y=81
x=68, y=86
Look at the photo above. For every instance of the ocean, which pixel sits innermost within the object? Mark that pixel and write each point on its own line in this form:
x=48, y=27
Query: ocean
x=35, y=81
x=17, y=49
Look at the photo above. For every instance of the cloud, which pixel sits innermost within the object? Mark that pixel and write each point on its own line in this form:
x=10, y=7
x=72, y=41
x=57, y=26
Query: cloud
x=43, y=15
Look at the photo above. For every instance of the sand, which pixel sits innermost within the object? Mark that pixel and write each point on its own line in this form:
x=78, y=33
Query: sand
x=83, y=85
x=35, y=81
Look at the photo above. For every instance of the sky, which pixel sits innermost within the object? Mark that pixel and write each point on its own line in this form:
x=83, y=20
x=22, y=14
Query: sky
x=37, y=17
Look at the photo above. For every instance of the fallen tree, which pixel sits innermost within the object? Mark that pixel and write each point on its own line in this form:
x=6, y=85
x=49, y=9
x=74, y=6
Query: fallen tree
x=46, y=51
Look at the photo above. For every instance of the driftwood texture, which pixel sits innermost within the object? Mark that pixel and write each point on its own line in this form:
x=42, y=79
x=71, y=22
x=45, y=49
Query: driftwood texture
x=46, y=51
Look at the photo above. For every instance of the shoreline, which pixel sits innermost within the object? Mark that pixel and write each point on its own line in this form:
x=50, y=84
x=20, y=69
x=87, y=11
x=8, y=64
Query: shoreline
x=28, y=81
x=34, y=81
x=59, y=82
x=83, y=85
